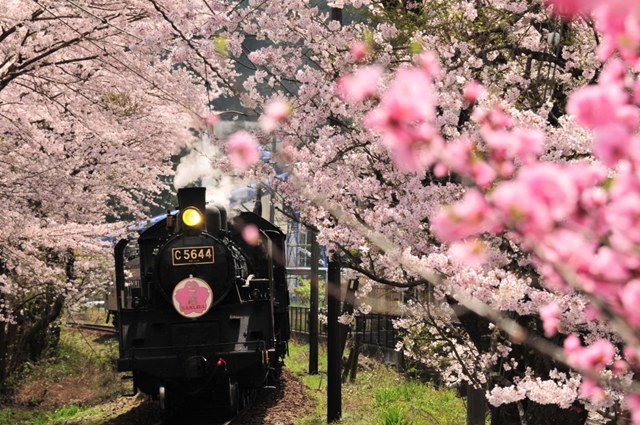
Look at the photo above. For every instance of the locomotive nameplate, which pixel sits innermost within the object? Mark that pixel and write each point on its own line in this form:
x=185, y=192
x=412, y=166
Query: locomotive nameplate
x=192, y=255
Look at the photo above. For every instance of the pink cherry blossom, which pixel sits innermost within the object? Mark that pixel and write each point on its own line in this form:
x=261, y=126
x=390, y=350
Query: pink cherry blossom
x=409, y=98
x=483, y=173
x=472, y=91
x=457, y=155
x=413, y=148
x=276, y=112
x=612, y=143
x=623, y=217
x=613, y=73
x=592, y=357
x=630, y=299
x=633, y=404
x=620, y=367
x=470, y=254
x=607, y=264
x=632, y=355
x=596, y=105
x=550, y=313
x=572, y=345
x=360, y=85
x=469, y=217
x=570, y=8
x=440, y=170
x=428, y=61
x=251, y=234
x=617, y=20
x=629, y=116
x=550, y=196
x=592, y=313
x=528, y=144
x=590, y=390
x=359, y=51
x=495, y=117
x=242, y=150
x=211, y=119
x=636, y=91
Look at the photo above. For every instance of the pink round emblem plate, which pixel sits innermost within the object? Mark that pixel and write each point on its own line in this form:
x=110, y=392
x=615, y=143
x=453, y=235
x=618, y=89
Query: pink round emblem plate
x=192, y=297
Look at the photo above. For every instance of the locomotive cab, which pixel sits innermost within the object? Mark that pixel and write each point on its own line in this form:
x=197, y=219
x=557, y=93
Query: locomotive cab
x=211, y=313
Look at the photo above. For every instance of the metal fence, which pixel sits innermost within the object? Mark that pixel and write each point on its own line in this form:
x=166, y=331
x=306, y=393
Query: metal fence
x=375, y=329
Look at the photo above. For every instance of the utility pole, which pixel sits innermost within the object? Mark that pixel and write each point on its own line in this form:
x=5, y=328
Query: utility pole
x=476, y=406
x=334, y=354
x=272, y=201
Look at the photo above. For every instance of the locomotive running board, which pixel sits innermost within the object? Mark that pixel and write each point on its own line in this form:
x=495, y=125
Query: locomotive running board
x=135, y=388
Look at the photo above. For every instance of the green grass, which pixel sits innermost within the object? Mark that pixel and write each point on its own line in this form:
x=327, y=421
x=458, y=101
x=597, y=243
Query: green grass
x=380, y=395
x=64, y=385
x=10, y=416
x=65, y=415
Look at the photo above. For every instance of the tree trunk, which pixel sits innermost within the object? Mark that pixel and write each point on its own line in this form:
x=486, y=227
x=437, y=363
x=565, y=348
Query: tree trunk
x=3, y=356
x=31, y=335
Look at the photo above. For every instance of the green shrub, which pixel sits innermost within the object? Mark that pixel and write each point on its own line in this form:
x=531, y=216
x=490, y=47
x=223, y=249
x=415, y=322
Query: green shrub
x=302, y=292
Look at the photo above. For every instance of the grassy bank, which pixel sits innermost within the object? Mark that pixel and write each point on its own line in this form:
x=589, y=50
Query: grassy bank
x=79, y=385
x=380, y=395
x=67, y=384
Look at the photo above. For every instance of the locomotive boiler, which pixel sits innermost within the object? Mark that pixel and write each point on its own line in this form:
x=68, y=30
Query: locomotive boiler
x=200, y=311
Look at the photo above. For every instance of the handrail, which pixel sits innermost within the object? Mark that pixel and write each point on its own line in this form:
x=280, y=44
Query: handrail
x=118, y=255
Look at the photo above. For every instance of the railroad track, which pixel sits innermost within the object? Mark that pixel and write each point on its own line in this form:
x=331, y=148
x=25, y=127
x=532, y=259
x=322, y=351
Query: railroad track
x=107, y=329
x=206, y=417
x=236, y=420
x=197, y=420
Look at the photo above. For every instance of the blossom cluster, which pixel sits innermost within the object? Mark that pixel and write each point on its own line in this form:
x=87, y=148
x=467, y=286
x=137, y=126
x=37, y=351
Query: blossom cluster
x=576, y=219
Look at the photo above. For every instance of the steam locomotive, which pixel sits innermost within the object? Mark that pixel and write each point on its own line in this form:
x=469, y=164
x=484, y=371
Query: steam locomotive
x=200, y=311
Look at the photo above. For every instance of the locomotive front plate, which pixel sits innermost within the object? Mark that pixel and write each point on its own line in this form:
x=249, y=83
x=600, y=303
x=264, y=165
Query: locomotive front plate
x=192, y=255
x=192, y=297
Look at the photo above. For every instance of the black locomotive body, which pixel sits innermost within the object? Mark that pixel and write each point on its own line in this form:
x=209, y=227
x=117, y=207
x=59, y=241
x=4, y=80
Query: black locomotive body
x=200, y=310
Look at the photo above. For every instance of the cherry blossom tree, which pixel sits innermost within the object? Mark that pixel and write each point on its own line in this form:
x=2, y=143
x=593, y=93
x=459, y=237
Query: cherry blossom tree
x=400, y=205
x=430, y=151
x=88, y=121
x=374, y=196
x=564, y=216
x=346, y=186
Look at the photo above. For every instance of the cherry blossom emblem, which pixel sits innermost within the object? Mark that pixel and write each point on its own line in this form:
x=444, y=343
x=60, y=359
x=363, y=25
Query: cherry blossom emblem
x=192, y=297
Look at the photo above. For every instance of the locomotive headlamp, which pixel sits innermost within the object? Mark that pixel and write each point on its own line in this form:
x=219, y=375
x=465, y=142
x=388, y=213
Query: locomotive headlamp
x=192, y=217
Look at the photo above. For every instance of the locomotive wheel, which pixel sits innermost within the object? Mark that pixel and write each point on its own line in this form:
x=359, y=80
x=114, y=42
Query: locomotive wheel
x=245, y=397
x=234, y=397
x=166, y=410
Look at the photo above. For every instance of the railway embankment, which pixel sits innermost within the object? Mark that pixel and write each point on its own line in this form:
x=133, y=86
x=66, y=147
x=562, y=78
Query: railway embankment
x=77, y=385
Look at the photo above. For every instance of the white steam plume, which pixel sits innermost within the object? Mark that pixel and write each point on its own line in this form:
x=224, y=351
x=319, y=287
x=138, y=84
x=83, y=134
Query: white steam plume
x=197, y=165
